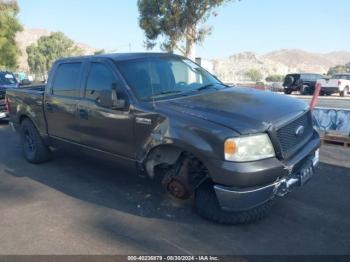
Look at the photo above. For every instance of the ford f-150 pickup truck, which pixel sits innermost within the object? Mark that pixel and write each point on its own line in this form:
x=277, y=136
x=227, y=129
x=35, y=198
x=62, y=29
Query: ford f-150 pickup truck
x=233, y=149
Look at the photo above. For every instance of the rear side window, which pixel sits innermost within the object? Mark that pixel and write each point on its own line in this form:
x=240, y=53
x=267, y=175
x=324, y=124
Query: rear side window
x=66, y=81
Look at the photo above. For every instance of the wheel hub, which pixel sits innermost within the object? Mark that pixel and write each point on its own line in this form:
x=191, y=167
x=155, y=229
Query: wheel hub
x=178, y=188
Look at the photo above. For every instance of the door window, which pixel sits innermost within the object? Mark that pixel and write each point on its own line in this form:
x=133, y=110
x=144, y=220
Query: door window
x=99, y=84
x=67, y=80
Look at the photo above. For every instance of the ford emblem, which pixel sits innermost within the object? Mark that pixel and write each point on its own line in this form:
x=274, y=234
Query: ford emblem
x=299, y=130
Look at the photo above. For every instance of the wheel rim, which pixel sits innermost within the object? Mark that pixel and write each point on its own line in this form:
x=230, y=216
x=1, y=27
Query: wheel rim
x=29, y=145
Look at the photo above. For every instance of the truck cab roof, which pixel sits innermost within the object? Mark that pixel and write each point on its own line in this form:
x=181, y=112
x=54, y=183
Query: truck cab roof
x=118, y=56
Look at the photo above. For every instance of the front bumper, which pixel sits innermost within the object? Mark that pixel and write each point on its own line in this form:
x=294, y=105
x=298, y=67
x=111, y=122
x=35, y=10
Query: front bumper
x=293, y=173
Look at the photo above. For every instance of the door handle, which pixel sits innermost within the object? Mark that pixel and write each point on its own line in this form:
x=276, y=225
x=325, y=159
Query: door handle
x=83, y=113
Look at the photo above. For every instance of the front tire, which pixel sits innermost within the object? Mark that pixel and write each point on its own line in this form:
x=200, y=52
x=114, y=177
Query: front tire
x=207, y=206
x=34, y=149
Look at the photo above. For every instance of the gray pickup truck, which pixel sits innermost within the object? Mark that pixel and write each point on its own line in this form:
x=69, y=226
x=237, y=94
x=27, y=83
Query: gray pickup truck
x=233, y=149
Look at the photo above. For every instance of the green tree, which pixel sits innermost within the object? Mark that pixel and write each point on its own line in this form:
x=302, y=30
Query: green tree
x=176, y=22
x=339, y=69
x=254, y=75
x=9, y=26
x=274, y=78
x=42, y=54
x=99, y=52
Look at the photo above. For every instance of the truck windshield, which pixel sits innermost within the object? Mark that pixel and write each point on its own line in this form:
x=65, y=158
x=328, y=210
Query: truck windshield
x=345, y=77
x=163, y=77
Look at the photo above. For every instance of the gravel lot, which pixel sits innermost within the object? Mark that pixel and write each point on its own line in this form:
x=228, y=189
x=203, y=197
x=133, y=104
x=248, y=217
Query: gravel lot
x=79, y=205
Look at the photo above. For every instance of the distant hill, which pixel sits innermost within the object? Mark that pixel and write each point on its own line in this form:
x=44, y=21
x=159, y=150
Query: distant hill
x=233, y=68
x=280, y=62
x=29, y=36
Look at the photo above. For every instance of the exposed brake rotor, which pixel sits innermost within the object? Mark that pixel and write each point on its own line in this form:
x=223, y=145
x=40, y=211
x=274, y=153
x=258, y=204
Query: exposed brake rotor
x=178, y=188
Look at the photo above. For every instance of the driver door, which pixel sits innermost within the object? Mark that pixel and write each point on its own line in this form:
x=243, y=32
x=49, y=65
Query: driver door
x=103, y=127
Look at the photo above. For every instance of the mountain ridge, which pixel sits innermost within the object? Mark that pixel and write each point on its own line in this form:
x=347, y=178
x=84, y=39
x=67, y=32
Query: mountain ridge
x=280, y=62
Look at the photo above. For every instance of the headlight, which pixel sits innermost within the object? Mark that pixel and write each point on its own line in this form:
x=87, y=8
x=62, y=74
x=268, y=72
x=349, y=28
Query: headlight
x=248, y=148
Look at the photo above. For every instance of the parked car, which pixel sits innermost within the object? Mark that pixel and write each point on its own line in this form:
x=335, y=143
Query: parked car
x=304, y=83
x=234, y=149
x=3, y=108
x=7, y=80
x=276, y=87
x=339, y=83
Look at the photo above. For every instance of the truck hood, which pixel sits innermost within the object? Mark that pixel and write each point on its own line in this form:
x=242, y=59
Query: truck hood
x=244, y=110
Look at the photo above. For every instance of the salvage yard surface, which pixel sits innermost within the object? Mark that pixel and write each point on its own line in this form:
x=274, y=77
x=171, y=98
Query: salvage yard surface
x=79, y=205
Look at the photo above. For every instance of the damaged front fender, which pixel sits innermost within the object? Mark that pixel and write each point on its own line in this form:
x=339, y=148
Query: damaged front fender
x=162, y=139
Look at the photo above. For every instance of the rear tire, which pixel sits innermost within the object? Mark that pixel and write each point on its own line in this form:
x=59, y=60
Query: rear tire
x=34, y=149
x=345, y=92
x=207, y=206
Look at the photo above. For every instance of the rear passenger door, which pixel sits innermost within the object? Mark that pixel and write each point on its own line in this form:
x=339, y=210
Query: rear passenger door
x=61, y=102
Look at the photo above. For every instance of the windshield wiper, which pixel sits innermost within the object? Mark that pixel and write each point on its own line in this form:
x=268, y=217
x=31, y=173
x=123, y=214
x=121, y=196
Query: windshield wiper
x=169, y=92
x=207, y=87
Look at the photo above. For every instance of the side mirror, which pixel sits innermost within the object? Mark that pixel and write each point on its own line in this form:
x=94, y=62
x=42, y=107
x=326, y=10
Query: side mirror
x=110, y=99
x=117, y=103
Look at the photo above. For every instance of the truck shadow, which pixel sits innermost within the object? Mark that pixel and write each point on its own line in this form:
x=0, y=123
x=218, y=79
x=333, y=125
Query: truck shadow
x=101, y=182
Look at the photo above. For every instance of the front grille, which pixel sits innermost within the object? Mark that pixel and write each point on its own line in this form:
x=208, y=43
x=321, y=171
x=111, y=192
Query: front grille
x=289, y=141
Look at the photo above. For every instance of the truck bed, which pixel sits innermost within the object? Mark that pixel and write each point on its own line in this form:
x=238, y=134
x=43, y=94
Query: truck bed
x=27, y=101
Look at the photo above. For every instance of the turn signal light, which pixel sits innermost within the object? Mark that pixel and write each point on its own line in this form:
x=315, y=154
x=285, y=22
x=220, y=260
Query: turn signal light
x=230, y=147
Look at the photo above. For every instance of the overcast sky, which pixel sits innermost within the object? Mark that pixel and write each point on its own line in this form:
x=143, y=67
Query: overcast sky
x=250, y=25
